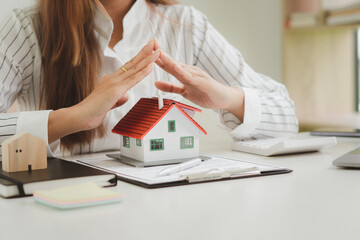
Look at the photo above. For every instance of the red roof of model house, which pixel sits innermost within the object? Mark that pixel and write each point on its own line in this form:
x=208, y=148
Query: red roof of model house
x=146, y=114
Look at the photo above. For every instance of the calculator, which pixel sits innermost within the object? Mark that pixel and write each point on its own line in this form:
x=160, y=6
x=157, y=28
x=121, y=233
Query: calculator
x=280, y=146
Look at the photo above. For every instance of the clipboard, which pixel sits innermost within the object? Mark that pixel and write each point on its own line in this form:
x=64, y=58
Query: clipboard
x=222, y=168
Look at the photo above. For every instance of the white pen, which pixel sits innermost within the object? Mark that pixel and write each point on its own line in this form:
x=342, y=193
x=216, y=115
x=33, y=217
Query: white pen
x=180, y=167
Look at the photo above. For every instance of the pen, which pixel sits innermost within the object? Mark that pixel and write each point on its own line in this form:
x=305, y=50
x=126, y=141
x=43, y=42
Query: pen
x=180, y=167
x=218, y=173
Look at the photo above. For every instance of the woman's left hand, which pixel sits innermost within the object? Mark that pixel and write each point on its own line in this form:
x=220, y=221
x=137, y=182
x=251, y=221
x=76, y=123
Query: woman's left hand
x=200, y=88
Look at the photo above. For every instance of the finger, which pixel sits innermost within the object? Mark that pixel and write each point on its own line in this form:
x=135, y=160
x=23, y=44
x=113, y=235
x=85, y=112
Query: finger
x=141, y=65
x=156, y=44
x=169, y=87
x=193, y=70
x=145, y=51
x=134, y=79
x=172, y=67
x=182, y=74
x=121, y=101
x=160, y=63
x=166, y=62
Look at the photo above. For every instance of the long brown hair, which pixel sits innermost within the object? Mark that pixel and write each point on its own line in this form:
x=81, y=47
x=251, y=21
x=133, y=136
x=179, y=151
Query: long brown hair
x=71, y=60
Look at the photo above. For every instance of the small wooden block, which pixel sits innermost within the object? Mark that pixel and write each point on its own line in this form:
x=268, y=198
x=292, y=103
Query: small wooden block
x=23, y=152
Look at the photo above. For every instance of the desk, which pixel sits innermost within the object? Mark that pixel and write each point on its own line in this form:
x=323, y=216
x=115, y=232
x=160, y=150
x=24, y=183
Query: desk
x=316, y=201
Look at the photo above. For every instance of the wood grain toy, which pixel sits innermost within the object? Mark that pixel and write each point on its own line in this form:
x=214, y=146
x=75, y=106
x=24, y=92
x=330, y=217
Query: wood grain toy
x=23, y=152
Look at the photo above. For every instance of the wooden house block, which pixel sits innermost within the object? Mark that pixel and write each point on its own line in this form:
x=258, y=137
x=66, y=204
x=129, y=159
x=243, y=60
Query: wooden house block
x=23, y=152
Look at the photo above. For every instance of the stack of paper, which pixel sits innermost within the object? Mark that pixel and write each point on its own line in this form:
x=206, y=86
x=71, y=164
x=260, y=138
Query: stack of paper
x=81, y=195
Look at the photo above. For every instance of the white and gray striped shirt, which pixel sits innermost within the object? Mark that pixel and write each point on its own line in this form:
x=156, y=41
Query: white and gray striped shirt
x=182, y=31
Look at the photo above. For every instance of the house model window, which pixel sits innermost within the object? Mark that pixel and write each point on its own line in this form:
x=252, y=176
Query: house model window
x=156, y=144
x=126, y=141
x=171, y=126
x=145, y=130
x=187, y=142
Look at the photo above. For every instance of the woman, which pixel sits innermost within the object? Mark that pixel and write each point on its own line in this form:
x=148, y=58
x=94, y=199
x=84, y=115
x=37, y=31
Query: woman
x=77, y=58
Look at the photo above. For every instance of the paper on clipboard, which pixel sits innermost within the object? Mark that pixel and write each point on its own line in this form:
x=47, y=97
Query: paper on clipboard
x=149, y=175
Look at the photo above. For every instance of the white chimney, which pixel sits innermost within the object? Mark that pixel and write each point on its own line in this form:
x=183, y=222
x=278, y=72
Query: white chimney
x=160, y=99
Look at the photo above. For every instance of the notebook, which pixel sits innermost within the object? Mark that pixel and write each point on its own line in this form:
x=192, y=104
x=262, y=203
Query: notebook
x=349, y=160
x=60, y=173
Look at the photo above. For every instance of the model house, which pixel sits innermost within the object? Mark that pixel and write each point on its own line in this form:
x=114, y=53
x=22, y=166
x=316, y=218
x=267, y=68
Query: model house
x=153, y=131
x=23, y=152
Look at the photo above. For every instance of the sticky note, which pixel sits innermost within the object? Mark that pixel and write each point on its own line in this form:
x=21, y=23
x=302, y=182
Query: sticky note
x=81, y=195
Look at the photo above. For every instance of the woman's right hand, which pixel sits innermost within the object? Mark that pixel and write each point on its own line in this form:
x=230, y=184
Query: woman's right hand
x=111, y=92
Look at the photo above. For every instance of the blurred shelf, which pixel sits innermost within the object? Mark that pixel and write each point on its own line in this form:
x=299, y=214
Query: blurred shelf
x=322, y=27
x=351, y=120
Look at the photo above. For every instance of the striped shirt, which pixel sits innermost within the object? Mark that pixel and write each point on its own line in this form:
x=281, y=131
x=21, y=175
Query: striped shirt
x=181, y=31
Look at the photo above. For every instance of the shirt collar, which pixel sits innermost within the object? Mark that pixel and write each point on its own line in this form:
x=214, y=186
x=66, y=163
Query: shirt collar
x=136, y=14
x=104, y=26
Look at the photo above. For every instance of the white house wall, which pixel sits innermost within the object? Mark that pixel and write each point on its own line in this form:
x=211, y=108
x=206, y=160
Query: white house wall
x=184, y=128
x=134, y=151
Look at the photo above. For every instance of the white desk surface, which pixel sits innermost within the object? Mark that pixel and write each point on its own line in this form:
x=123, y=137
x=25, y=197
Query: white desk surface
x=316, y=201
